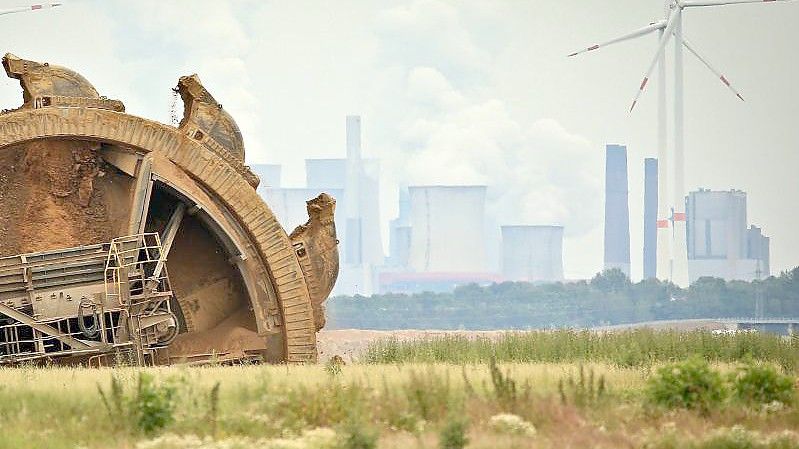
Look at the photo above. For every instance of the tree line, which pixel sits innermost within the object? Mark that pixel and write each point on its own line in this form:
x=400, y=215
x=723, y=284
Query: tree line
x=607, y=299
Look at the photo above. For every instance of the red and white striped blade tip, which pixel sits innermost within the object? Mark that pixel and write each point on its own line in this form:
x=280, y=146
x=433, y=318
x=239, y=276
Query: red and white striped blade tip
x=591, y=48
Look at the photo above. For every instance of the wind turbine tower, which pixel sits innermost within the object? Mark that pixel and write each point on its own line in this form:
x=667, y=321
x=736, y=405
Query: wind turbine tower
x=672, y=253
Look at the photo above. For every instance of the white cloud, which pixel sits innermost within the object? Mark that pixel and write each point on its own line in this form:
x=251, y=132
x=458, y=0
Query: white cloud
x=428, y=32
x=538, y=174
x=451, y=91
x=454, y=130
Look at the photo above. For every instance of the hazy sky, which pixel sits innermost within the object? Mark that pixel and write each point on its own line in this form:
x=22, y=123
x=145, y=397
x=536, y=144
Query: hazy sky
x=459, y=92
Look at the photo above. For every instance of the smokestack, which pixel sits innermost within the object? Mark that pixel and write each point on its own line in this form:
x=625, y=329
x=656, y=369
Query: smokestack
x=532, y=253
x=650, y=217
x=617, y=211
x=353, y=238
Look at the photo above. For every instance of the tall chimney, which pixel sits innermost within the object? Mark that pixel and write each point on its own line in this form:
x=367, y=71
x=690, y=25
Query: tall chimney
x=617, y=211
x=650, y=217
x=353, y=238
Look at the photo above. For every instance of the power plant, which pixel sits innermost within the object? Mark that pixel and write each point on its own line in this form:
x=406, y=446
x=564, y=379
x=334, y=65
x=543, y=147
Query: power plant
x=355, y=182
x=672, y=251
x=720, y=244
x=439, y=238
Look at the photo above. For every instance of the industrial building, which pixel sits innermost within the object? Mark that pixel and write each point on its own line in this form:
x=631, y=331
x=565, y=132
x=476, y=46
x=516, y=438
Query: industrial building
x=289, y=204
x=269, y=174
x=617, y=211
x=720, y=244
x=758, y=249
x=400, y=233
x=532, y=253
x=364, y=245
x=355, y=184
x=326, y=174
x=650, y=217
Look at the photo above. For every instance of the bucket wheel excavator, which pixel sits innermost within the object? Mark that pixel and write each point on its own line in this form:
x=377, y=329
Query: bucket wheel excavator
x=122, y=238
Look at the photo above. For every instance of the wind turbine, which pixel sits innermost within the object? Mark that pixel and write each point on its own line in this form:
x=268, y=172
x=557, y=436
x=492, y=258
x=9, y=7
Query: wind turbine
x=672, y=253
x=28, y=8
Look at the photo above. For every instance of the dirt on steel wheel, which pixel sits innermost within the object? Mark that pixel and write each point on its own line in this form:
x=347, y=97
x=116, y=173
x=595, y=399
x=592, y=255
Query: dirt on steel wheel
x=76, y=170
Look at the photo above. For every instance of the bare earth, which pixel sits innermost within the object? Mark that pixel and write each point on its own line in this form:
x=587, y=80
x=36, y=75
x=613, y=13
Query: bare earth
x=351, y=343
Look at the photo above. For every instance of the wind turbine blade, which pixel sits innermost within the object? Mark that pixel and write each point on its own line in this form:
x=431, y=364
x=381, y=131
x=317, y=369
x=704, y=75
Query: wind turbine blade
x=637, y=33
x=723, y=78
x=674, y=17
x=690, y=3
x=29, y=8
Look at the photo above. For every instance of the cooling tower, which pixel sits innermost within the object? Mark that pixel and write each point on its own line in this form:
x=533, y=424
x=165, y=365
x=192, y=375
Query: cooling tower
x=650, y=217
x=532, y=253
x=617, y=212
x=447, y=229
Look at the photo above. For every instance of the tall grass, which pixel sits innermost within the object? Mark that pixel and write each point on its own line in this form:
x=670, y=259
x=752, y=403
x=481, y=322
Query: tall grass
x=632, y=348
x=397, y=405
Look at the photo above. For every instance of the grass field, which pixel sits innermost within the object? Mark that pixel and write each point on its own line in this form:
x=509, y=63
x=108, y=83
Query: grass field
x=639, y=347
x=404, y=405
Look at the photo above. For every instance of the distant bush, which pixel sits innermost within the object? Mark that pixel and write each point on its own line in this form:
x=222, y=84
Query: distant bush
x=758, y=383
x=583, y=391
x=150, y=407
x=504, y=387
x=153, y=404
x=357, y=433
x=453, y=434
x=609, y=298
x=691, y=384
x=428, y=394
